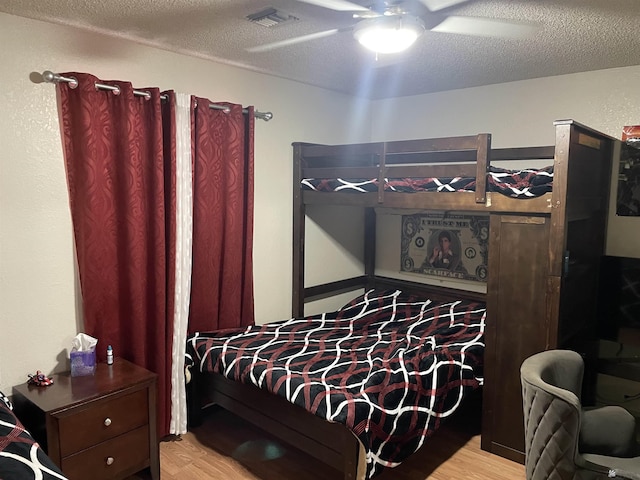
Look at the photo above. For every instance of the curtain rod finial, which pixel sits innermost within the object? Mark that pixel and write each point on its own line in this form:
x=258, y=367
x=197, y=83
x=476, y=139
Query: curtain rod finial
x=48, y=76
x=267, y=116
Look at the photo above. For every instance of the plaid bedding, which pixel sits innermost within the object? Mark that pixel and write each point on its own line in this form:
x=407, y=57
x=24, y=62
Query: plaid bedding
x=21, y=458
x=388, y=366
x=523, y=183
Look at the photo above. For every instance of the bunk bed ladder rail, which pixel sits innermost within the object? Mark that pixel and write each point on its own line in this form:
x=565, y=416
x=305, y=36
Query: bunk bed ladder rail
x=482, y=166
x=383, y=171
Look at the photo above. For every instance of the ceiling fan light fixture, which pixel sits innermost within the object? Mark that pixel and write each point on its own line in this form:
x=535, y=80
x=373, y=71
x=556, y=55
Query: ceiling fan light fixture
x=388, y=34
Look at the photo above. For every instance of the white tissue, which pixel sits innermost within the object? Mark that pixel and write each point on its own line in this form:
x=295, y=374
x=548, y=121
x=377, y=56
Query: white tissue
x=83, y=343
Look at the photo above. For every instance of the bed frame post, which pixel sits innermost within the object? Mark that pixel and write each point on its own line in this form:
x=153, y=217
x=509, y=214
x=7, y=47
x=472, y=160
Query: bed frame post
x=482, y=165
x=382, y=169
x=370, y=245
x=194, y=409
x=351, y=451
x=297, y=307
x=558, y=196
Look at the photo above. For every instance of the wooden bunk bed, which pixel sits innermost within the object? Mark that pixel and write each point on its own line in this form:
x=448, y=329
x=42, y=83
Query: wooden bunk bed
x=544, y=254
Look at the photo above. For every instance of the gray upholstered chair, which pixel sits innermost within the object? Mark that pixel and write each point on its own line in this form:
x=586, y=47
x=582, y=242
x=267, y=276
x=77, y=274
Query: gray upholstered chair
x=563, y=441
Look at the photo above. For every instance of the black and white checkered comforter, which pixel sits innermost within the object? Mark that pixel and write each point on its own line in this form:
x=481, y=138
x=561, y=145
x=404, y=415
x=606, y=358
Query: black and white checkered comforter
x=388, y=366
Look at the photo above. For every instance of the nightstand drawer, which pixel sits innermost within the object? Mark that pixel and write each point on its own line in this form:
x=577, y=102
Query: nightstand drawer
x=102, y=420
x=110, y=459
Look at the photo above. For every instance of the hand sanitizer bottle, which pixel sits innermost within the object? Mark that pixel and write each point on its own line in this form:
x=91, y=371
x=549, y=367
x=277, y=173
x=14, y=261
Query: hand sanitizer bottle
x=109, y=355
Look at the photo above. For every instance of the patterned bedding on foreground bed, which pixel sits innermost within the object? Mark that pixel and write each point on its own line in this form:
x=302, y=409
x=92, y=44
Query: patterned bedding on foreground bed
x=389, y=366
x=524, y=183
x=21, y=458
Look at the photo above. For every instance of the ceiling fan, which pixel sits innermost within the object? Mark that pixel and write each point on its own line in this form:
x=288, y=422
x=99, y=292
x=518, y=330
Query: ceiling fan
x=388, y=26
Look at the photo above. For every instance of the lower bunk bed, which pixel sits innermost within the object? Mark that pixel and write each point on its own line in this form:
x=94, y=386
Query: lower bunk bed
x=360, y=388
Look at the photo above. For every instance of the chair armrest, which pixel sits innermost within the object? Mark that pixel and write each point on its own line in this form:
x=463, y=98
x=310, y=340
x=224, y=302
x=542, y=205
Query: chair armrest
x=609, y=431
x=611, y=467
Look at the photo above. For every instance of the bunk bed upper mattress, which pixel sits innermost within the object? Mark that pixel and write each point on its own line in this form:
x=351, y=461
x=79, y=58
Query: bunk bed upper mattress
x=389, y=366
x=524, y=183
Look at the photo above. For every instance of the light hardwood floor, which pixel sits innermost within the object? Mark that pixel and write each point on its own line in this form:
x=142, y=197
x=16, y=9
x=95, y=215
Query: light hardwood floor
x=227, y=448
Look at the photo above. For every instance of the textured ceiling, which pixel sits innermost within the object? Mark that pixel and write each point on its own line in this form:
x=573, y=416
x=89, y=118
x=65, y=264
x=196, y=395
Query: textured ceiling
x=571, y=36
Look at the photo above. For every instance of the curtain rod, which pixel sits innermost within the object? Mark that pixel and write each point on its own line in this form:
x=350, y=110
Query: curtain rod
x=51, y=77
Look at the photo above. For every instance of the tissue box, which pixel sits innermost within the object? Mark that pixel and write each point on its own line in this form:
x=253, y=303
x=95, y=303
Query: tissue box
x=83, y=363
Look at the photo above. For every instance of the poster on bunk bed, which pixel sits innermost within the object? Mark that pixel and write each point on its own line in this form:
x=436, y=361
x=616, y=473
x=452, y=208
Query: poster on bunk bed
x=452, y=246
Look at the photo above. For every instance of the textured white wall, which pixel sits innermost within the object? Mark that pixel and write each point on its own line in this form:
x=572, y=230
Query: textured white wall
x=521, y=114
x=38, y=292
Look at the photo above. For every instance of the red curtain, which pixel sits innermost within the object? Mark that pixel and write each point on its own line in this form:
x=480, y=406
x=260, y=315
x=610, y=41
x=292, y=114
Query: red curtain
x=120, y=161
x=222, y=272
x=120, y=154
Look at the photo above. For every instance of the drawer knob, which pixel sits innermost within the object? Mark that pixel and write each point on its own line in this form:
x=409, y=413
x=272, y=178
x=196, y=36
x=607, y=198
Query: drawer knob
x=107, y=422
x=110, y=460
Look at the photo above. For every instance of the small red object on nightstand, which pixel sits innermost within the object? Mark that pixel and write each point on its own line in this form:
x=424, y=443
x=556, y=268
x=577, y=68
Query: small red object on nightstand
x=40, y=379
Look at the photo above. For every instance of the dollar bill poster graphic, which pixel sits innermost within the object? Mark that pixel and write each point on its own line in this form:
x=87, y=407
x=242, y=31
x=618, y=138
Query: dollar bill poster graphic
x=452, y=246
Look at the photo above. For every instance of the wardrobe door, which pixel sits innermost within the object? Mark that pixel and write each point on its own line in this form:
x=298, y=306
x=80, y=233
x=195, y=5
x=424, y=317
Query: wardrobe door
x=517, y=322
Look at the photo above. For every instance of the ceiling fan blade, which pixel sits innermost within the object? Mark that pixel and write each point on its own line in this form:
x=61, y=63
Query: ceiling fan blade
x=292, y=41
x=340, y=5
x=485, y=27
x=435, y=5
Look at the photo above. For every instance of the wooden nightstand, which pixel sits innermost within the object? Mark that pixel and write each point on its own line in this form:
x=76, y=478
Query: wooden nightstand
x=96, y=427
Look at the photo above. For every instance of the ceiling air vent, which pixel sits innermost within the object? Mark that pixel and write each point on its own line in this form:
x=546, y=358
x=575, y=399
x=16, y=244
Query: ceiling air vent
x=270, y=17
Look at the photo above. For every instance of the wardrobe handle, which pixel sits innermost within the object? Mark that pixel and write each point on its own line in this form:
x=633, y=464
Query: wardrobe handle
x=107, y=422
x=110, y=460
